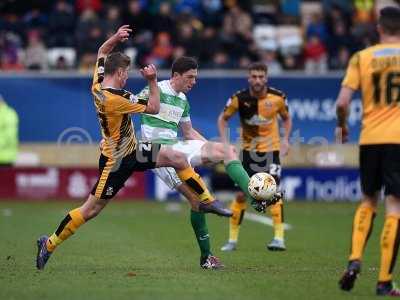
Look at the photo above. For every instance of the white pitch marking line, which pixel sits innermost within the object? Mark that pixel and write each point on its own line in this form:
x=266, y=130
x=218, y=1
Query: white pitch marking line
x=263, y=220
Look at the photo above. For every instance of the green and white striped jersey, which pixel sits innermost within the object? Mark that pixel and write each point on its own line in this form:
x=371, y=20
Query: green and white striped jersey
x=174, y=108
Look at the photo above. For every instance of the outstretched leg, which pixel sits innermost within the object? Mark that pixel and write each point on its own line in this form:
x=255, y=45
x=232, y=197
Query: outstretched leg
x=167, y=156
x=68, y=226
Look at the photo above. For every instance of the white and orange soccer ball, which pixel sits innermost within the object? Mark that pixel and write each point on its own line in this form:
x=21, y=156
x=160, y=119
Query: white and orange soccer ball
x=262, y=186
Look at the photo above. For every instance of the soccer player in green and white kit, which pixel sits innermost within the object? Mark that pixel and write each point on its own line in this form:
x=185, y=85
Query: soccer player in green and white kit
x=163, y=128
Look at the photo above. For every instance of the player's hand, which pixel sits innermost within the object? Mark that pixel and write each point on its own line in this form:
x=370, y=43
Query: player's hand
x=149, y=72
x=285, y=147
x=123, y=33
x=342, y=134
x=259, y=206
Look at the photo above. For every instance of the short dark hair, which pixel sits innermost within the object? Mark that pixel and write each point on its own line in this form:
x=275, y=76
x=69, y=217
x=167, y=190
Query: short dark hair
x=389, y=20
x=114, y=61
x=183, y=64
x=258, y=66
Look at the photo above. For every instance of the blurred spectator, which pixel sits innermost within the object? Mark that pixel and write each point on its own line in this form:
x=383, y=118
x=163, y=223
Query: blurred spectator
x=82, y=5
x=364, y=30
x=211, y=10
x=220, y=60
x=10, y=51
x=315, y=56
x=61, y=25
x=209, y=29
x=35, y=52
x=290, y=8
x=188, y=6
x=317, y=28
x=335, y=14
x=113, y=20
x=187, y=39
x=178, y=52
x=35, y=19
x=291, y=63
x=236, y=37
x=246, y=5
x=341, y=59
x=87, y=20
x=364, y=11
x=89, y=47
x=244, y=62
x=61, y=64
x=137, y=17
x=154, y=5
x=191, y=19
x=165, y=22
x=141, y=23
x=12, y=23
x=270, y=59
x=239, y=20
x=210, y=39
x=339, y=39
x=162, y=51
x=8, y=134
x=344, y=5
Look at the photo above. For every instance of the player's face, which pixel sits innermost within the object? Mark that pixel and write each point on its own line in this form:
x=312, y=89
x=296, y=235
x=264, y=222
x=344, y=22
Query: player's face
x=257, y=80
x=187, y=80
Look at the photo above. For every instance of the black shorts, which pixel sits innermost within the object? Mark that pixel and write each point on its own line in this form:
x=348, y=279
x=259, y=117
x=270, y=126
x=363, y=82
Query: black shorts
x=268, y=162
x=115, y=172
x=380, y=167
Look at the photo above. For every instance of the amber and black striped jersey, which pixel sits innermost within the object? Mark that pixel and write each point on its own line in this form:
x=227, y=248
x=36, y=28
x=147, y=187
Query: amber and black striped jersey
x=258, y=118
x=376, y=71
x=114, y=107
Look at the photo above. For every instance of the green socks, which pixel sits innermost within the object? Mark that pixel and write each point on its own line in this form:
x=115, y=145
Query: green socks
x=239, y=176
x=200, y=229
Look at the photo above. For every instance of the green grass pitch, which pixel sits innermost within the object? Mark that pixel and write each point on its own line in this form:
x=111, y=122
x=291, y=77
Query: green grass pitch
x=143, y=251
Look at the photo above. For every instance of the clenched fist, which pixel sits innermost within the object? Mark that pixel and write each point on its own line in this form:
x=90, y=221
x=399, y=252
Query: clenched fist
x=149, y=72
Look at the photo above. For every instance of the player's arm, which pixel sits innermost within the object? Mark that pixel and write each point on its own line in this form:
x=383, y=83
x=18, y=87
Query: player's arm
x=287, y=126
x=185, y=124
x=120, y=36
x=230, y=109
x=153, y=103
x=189, y=133
x=351, y=82
x=130, y=104
x=342, y=113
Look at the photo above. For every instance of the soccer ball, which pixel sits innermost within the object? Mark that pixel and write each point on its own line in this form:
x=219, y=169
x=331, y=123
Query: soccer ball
x=262, y=186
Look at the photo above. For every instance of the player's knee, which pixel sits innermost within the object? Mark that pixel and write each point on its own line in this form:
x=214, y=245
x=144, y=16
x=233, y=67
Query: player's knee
x=92, y=207
x=172, y=158
x=231, y=153
x=371, y=200
x=86, y=213
x=179, y=160
x=94, y=211
x=392, y=205
x=224, y=152
x=92, y=214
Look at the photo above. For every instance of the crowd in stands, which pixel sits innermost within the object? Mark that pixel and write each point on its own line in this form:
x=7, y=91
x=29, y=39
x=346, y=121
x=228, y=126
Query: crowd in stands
x=315, y=36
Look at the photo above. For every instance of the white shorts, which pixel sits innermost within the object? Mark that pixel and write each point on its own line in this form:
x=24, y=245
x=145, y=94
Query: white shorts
x=192, y=150
x=168, y=176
